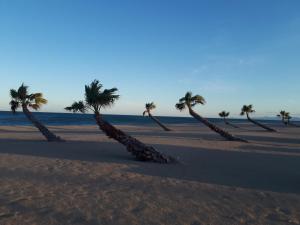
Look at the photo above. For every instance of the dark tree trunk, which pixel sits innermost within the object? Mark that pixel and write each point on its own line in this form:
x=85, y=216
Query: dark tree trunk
x=44, y=130
x=216, y=129
x=261, y=125
x=283, y=121
x=135, y=147
x=158, y=122
x=230, y=124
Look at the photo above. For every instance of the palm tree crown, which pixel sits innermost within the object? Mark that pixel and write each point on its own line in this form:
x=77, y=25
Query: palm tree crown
x=224, y=114
x=189, y=101
x=77, y=107
x=95, y=98
x=287, y=116
x=22, y=97
x=149, y=106
x=247, y=109
x=282, y=114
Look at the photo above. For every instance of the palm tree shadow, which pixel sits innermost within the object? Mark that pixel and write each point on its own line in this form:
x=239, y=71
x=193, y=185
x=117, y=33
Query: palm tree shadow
x=278, y=173
x=190, y=135
x=271, y=139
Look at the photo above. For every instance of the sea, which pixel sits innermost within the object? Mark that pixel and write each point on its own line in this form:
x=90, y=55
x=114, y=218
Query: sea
x=10, y=119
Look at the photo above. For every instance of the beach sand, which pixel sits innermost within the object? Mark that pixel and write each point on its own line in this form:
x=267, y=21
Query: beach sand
x=91, y=179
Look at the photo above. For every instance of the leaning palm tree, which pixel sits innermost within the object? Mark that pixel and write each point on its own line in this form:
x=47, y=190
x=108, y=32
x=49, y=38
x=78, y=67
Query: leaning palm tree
x=149, y=107
x=283, y=114
x=97, y=99
x=22, y=99
x=248, y=109
x=189, y=101
x=224, y=115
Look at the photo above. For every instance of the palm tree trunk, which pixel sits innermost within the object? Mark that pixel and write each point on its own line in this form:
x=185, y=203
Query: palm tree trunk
x=213, y=127
x=135, y=147
x=44, y=130
x=283, y=121
x=260, y=125
x=230, y=124
x=158, y=122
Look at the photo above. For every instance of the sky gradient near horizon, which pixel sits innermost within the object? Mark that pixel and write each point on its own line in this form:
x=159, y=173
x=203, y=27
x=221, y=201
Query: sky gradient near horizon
x=230, y=52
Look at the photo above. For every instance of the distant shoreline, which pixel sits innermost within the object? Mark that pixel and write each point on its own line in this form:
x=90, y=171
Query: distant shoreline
x=7, y=119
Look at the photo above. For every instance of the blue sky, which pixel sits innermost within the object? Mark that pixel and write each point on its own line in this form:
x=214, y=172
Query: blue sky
x=230, y=52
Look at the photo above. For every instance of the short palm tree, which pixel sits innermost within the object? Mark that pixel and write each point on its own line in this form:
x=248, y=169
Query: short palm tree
x=248, y=109
x=189, y=101
x=21, y=98
x=149, y=107
x=283, y=114
x=97, y=99
x=287, y=117
x=224, y=115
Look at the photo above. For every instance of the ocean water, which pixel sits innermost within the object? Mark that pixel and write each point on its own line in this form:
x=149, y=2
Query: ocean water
x=8, y=118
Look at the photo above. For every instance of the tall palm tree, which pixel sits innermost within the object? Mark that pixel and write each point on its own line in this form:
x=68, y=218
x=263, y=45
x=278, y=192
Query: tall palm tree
x=97, y=99
x=224, y=115
x=22, y=99
x=248, y=109
x=283, y=114
x=189, y=101
x=149, y=107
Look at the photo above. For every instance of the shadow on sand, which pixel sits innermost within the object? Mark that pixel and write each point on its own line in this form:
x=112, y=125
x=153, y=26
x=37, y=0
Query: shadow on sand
x=259, y=171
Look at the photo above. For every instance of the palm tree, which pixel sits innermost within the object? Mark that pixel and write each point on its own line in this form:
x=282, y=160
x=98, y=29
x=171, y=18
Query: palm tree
x=21, y=98
x=283, y=114
x=224, y=115
x=95, y=100
x=149, y=107
x=248, y=109
x=287, y=117
x=189, y=101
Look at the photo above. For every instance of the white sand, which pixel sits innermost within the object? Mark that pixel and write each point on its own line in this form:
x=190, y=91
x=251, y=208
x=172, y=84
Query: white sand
x=93, y=180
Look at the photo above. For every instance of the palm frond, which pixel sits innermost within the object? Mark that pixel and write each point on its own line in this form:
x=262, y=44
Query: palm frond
x=198, y=99
x=14, y=105
x=35, y=106
x=92, y=92
x=14, y=94
x=77, y=107
x=23, y=92
x=247, y=109
x=150, y=106
x=97, y=99
x=188, y=96
x=107, y=98
x=224, y=114
x=180, y=106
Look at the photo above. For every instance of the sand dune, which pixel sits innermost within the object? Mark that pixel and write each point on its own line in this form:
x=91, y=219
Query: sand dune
x=93, y=180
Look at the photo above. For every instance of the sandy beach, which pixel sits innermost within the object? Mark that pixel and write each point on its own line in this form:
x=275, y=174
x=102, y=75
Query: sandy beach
x=91, y=179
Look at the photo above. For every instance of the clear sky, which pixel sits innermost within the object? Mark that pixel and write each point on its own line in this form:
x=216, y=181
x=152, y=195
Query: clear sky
x=230, y=52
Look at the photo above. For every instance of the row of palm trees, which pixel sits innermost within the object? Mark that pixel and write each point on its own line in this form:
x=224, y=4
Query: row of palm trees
x=97, y=98
x=189, y=101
